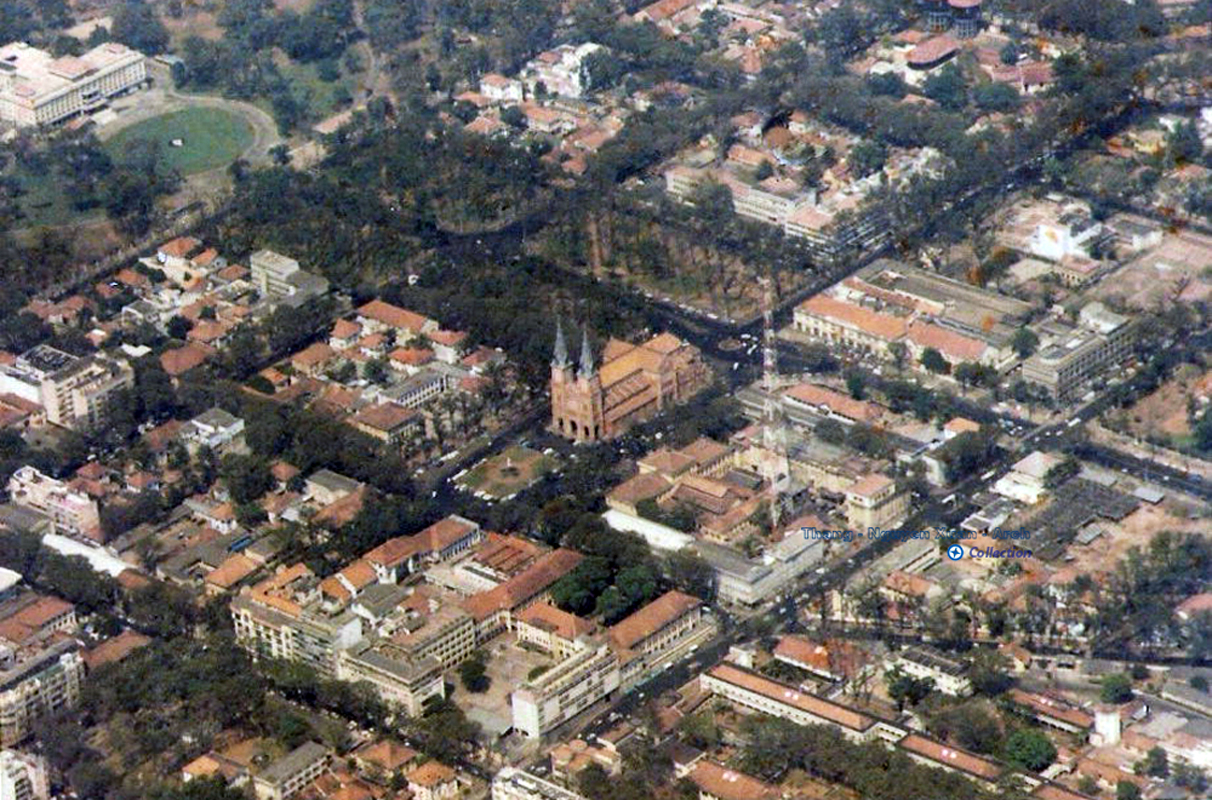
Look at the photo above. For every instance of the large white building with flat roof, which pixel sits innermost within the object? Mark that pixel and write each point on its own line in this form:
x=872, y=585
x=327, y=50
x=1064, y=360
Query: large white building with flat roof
x=38, y=89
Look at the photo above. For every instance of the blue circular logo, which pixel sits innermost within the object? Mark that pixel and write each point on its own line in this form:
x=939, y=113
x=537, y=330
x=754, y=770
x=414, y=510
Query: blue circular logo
x=955, y=552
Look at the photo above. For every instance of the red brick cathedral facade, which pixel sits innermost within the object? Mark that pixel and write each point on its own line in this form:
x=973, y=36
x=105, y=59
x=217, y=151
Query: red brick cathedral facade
x=634, y=383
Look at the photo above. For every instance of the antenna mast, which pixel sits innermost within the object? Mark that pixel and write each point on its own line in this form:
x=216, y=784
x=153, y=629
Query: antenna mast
x=774, y=432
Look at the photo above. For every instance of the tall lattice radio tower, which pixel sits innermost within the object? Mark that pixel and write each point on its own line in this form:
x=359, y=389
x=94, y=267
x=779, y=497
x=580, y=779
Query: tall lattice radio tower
x=777, y=470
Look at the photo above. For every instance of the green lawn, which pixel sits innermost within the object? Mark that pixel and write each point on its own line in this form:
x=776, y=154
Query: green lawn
x=211, y=138
x=321, y=96
x=508, y=472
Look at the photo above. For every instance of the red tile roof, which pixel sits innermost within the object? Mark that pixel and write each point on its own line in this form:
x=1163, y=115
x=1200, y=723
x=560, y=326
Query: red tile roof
x=949, y=756
x=393, y=316
x=651, y=618
x=789, y=695
x=932, y=50
x=180, y=360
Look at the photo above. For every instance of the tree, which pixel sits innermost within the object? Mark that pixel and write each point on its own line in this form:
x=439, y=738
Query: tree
x=691, y=574
x=602, y=70
x=1030, y=749
x=1186, y=145
x=1062, y=472
x=474, y=674
x=868, y=156
x=888, y=83
x=246, y=477
x=831, y=431
x=178, y=326
x=856, y=384
x=995, y=97
x=1157, y=763
x=1009, y=54
x=947, y=88
x=136, y=25
x=1199, y=683
x=904, y=688
x=1127, y=790
x=990, y=672
x=933, y=360
x=1116, y=688
x=1024, y=342
x=376, y=371
x=899, y=352
x=764, y=171
x=578, y=591
x=971, y=727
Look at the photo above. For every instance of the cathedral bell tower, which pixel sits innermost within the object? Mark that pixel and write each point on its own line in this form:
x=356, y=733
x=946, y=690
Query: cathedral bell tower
x=576, y=393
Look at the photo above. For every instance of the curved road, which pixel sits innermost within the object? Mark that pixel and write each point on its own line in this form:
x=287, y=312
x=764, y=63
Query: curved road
x=162, y=98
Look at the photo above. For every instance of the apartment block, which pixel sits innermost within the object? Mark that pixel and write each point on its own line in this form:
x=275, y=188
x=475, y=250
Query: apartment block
x=71, y=512
x=75, y=392
x=38, y=89
x=40, y=664
x=287, y=616
x=400, y=679
x=23, y=776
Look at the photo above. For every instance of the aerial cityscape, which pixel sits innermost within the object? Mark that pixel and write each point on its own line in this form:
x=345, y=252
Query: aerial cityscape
x=606, y=400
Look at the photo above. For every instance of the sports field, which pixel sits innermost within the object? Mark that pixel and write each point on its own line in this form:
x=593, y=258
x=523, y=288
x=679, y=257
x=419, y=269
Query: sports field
x=210, y=138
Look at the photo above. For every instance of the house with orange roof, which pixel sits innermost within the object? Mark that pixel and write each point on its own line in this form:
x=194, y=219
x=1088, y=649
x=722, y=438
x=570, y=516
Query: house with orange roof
x=833, y=404
x=236, y=568
x=433, y=780
x=179, y=360
x=378, y=315
x=383, y=757
x=388, y=422
x=835, y=660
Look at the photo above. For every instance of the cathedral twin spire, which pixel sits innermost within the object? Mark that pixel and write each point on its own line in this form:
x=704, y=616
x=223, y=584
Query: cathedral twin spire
x=561, y=360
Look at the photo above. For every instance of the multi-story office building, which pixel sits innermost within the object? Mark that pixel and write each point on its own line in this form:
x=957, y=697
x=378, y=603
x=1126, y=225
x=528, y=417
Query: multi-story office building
x=23, y=776
x=38, y=89
x=874, y=501
x=75, y=392
x=1069, y=356
x=79, y=396
x=71, y=512
x=40, y=666
x=287, y=616
x=288, y=775
x=565, y=690
x=950, y=675
x=280, y=278
x=400, y=679
x=511, y=783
